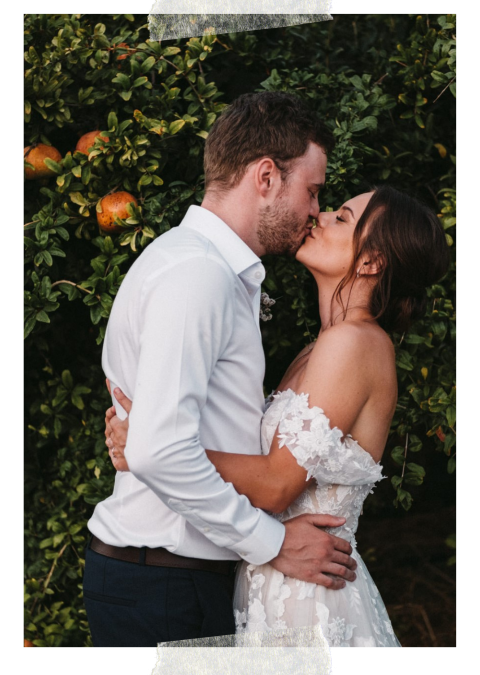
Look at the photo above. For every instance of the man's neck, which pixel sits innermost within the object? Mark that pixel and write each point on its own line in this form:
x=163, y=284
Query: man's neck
x=237, y=213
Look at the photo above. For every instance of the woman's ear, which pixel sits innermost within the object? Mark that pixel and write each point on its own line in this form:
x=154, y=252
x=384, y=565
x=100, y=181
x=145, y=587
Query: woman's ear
x=371, y=265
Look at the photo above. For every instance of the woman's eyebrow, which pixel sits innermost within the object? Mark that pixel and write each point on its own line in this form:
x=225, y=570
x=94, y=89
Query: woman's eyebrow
x=347, y=208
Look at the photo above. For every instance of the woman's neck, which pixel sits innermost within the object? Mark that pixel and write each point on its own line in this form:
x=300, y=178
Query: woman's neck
x=350, y=305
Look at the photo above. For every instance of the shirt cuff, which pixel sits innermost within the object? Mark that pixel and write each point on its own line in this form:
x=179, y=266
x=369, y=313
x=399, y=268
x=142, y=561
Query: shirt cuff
x=264, y=543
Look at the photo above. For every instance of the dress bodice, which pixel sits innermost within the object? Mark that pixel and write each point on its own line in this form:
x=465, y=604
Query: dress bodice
x=344, y=472
x=270, y=604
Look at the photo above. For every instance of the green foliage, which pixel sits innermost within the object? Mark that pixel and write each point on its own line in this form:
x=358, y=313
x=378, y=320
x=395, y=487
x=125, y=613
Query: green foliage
x=384, y=84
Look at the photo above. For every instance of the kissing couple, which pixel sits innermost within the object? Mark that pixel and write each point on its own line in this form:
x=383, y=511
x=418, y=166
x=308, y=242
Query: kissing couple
x=232, y=514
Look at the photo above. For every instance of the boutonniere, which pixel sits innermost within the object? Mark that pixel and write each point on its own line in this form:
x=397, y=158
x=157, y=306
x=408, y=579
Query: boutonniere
x=265, y=303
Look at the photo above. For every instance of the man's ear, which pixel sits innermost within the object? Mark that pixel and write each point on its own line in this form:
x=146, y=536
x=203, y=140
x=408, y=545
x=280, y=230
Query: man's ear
x=266, y=175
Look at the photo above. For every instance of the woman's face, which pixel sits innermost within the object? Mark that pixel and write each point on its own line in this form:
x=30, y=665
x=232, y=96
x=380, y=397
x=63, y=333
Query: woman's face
x=328, y=249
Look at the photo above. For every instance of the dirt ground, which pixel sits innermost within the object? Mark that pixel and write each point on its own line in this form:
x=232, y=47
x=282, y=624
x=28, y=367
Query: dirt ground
x=407, y=558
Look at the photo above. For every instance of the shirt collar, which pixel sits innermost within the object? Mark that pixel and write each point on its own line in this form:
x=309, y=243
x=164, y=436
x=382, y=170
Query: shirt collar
x=235, y=251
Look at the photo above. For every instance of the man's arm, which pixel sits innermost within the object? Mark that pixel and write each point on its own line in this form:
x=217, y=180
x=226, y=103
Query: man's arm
x=307, y=552
x=186, y=322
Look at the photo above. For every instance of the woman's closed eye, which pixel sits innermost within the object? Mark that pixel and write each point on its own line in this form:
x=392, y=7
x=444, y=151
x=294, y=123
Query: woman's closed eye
x=342, y=220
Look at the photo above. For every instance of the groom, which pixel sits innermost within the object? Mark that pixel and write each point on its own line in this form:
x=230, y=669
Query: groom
x=183, y=342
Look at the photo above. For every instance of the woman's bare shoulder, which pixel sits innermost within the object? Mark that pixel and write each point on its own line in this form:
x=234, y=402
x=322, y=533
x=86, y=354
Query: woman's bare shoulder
x=357, y=348
x=355, y=336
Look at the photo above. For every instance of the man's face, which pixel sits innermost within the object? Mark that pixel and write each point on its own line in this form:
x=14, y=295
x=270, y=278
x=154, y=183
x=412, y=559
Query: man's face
x=284, y=224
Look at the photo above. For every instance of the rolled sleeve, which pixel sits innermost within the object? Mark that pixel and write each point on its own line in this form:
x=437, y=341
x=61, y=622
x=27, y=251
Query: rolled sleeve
x=187, y=318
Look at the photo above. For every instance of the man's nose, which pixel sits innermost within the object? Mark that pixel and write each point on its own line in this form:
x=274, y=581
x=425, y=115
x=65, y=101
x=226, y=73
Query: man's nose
x=315, y=211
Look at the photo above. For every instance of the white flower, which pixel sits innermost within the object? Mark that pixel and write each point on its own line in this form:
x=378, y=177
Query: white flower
x=338, y=632
x=278, y=604
x=257, y=581
x=256, y=612
x=307, y=590
x=265, y=304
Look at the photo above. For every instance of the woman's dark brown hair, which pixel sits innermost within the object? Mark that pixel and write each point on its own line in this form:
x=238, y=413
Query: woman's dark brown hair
x=267, y=124
x=408, y=241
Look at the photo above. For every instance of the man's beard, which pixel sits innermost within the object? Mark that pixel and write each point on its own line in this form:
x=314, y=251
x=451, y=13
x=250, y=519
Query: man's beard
x=279, y=230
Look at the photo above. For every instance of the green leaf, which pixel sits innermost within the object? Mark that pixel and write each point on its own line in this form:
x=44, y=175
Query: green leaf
x=122, y=79
x=29, y=326
x=405, y=499
x=139, y=81
x=96, y=313
x=413, y=479
x=112, y=121
x=451, y=464
x=396, y=481
x=404, y=360
x=123, y=125
x=78, y=198
x=413, y=339
x=451, y=416
x=170, y=51
x=52, y=165
x=419, y=121
x=414, y=443
x=176, y=126
x=78, y=401
x=451, y=541
x=146, y=179
x=43, y=316
x=86, y=174
x=416, y=469
x=398, y=455
x=67, y=379
x=58, y=538
x=147, y=64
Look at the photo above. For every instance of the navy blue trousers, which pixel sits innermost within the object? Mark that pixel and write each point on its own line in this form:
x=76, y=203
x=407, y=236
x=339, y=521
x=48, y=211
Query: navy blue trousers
x=131, y=605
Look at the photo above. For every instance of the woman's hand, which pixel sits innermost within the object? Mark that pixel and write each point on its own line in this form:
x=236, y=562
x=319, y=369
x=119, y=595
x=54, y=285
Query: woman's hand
x=116, y=431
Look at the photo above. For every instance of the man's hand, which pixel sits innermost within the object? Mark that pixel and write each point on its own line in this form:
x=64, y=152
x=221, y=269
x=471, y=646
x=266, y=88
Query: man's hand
x=310, y=554
x=116, y=431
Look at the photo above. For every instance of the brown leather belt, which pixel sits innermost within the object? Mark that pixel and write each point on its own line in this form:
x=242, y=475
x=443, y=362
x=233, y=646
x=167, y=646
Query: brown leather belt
x=160, y=557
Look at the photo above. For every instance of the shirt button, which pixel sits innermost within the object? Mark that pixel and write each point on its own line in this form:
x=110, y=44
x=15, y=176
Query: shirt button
x=258, y=275
x=206, y=529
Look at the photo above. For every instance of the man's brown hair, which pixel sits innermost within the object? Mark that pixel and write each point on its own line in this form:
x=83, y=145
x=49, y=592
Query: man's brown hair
x=267, y=124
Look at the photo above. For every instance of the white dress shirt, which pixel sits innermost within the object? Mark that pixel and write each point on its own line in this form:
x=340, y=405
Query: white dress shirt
x=183, y=342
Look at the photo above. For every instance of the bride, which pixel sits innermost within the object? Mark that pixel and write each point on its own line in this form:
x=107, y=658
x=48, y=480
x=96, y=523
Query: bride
x=325, y=428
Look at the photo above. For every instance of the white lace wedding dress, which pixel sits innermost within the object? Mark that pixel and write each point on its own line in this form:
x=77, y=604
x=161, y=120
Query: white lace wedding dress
x=267, y=601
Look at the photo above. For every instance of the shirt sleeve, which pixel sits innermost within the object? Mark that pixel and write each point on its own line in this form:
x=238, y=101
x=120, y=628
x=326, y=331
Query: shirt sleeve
x=187, y=318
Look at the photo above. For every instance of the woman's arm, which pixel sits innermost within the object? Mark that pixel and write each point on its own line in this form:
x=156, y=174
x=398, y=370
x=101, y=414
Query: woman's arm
x=271, y=482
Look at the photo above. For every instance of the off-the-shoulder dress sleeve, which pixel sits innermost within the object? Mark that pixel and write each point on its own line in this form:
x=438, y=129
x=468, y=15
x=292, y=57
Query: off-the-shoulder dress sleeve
x=321, y=450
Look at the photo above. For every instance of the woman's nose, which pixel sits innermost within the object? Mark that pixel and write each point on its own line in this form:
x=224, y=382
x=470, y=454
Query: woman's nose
x=321, y=219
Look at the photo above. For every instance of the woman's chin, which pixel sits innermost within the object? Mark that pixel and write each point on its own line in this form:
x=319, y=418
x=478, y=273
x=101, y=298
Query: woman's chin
x=300, y=254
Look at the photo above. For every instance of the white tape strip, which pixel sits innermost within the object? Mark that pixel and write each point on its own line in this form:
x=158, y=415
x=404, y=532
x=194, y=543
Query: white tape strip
x=194, y=18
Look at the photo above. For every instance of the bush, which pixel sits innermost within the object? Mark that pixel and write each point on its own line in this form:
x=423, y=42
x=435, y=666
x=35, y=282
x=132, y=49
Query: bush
x=391, y=107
